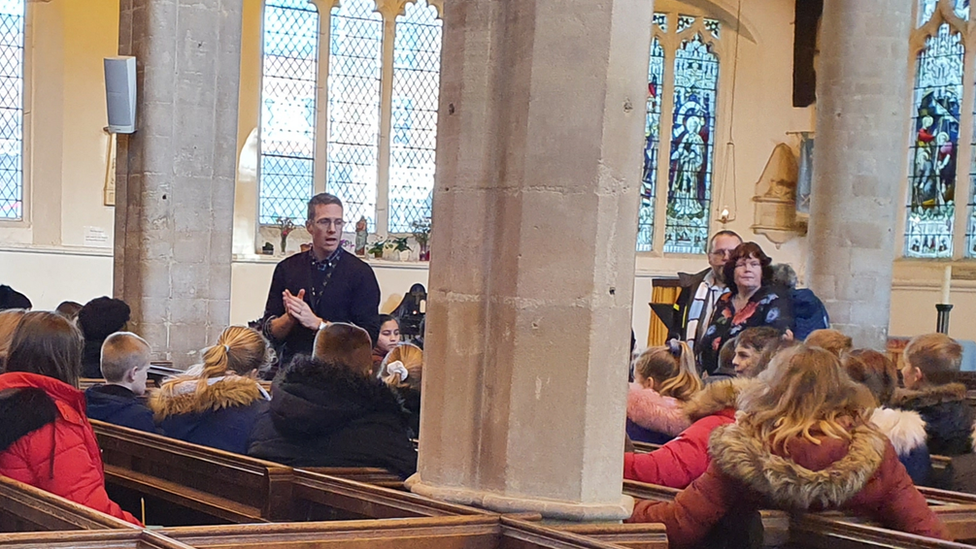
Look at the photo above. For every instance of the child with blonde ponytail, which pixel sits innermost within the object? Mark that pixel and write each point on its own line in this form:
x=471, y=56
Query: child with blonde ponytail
x=217, y=402
x=664, y=378
x=402, y=370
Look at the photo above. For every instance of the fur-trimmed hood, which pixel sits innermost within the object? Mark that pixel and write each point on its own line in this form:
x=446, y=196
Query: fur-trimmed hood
x=648, y=409
x=929, y=395
x=313, y=398
x=183, y=396
x=716, y=397
x=904, y=428
x=814, y=476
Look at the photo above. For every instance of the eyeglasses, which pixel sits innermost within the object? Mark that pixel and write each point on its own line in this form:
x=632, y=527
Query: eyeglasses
x=325, y=223
x=725, y=254
x=748, y=264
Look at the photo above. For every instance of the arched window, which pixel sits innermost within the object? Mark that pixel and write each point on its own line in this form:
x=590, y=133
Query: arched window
x=355, y=65
x=936, y=116
x=288, y=102
x=12, y=16
x=416, y=82
x=683, y=79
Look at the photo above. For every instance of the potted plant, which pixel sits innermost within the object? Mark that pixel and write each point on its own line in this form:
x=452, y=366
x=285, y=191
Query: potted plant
x=421, y=233
x=376, y=250
x=286, y=226
x=402, y=248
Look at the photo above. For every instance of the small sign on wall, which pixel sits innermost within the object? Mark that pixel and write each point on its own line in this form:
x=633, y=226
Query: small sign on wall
x=96, y=237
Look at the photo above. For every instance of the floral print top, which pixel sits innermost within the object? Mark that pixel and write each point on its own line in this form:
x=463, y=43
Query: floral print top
x=767, y=307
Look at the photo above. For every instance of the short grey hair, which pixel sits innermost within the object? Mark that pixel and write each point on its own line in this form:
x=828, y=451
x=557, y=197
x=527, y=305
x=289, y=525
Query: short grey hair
x=784, y=275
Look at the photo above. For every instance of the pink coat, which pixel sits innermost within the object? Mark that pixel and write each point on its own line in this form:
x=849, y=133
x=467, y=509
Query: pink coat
x=648, y=409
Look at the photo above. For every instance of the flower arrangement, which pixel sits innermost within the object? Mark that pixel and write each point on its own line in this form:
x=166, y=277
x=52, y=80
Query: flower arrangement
x=421, y=233
x=286, y=226
x=376, y=249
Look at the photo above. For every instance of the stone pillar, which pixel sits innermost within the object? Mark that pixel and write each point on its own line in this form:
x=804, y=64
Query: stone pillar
x=175, y=185
x=859, y=162
x=535, y=220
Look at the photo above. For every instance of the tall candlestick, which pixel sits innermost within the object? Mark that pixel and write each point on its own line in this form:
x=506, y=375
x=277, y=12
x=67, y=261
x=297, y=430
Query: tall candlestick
x=946, y=283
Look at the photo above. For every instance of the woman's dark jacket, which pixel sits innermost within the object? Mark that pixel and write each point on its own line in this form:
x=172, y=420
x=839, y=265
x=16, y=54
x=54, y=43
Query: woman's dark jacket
x=326, y=415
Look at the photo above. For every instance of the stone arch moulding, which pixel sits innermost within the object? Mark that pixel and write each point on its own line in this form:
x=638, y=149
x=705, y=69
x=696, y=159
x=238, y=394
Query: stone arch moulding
x=725, y=11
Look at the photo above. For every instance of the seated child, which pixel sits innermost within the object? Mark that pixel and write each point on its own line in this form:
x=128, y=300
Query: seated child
x=329, y=411
x=904, y=428
x=800, y=443
x=47, y=441
x=831, y=340
x=216, y=403
x=125, y=366
x=749, y=348
x=98, y=319
x=664, y=378
x=402, y=370
x=388, y=339
x=929, y=359
x=9, y=319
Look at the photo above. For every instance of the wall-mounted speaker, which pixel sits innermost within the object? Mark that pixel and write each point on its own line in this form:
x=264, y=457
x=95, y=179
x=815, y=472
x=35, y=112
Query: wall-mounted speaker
x=120, y=93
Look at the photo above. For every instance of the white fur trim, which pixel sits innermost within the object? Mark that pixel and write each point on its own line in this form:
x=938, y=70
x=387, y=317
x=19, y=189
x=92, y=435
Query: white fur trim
x=905, y=429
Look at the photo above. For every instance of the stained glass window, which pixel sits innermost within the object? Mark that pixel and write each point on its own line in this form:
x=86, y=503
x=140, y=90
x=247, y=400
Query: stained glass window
x=416, y=82
x=355, y=59
x=692, y=147
x=935, y=144
x=11, y=108
x=288, y=87
x=685, y=22
x=652, y=143
x=926, y=8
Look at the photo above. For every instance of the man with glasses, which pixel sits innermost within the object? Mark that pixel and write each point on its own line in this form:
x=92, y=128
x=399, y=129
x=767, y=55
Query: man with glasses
x=700, y=291
x=324, y=284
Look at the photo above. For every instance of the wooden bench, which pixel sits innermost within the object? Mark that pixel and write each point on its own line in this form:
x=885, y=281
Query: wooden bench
x=472, y=532
x=24, y=508
x=107, y=539
x=187, y=484
x=366, y=475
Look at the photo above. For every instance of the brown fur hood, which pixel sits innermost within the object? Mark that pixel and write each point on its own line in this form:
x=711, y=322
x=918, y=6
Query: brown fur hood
x=738, y=453
x=716, y=397
x=931, y=395
x=183, y=396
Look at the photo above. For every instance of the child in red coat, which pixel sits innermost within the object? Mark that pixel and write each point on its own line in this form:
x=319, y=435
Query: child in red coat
x=45, y=438
x=802, y=442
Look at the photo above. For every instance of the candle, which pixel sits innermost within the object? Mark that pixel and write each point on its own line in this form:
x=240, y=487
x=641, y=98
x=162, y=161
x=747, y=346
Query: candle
x=946, y=283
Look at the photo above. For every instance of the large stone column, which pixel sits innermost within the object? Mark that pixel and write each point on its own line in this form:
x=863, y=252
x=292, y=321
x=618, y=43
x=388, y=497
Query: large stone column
x=859, y=162
x=535, y=221
x=175, y=187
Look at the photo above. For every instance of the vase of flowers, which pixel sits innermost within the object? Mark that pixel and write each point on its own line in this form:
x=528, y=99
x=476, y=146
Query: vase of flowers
x=421, y=233
x=286, y=226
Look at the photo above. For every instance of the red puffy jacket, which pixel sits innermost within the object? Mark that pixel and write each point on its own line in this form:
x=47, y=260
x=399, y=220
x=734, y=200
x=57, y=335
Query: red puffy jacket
x=47, y=442
x=862, y=475
x=685, y=458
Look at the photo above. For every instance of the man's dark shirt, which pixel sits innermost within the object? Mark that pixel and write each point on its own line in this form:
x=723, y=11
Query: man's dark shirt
x=346, y=290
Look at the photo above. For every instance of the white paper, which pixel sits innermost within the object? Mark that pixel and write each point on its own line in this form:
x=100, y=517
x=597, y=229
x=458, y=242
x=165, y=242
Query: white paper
x=96, y=237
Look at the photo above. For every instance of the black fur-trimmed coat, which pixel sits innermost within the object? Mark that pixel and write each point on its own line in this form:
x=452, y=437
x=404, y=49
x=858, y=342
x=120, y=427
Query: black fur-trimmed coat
x=948, y=418
x=861, y=475
x=324, y=415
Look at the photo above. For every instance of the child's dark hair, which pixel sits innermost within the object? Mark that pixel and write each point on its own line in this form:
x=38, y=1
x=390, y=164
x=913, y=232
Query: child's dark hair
x=386, y=318
x=672, y=367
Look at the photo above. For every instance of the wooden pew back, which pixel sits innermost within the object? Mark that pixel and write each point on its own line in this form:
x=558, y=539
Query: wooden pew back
x=24, y=508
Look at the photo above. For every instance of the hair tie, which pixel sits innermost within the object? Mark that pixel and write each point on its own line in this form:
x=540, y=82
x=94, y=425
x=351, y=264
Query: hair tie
x=226, y=348
x=397, y=367
x=674, y=347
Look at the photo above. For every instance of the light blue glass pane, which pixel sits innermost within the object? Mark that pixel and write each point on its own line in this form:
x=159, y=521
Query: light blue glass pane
x=690, y=165
x=935, y=143
x=11, y=108
x=354, y=107
x=652, y=145
x=288, y=92
x=416, y=82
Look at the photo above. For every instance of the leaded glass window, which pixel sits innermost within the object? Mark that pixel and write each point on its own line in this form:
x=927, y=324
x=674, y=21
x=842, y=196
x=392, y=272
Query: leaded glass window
x=681, y=101
x=416, y=82
x=935, y=145
x=11, y=109
x=652, y=142
x=926, y=9
x=355, y=61
x=288, y=89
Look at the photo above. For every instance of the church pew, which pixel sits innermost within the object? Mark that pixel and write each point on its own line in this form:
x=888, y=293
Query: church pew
x=188, y=484
x=24, y=508
x=472, y=532
x=101, y=539
x=366, y=475
x=820, y=532
x=633, y=536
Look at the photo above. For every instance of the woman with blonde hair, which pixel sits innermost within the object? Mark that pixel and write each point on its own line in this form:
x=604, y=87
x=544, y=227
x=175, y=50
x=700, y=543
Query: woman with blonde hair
x=664, y=378
x=402, y=370
x=216, y=403
x=802, y=442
